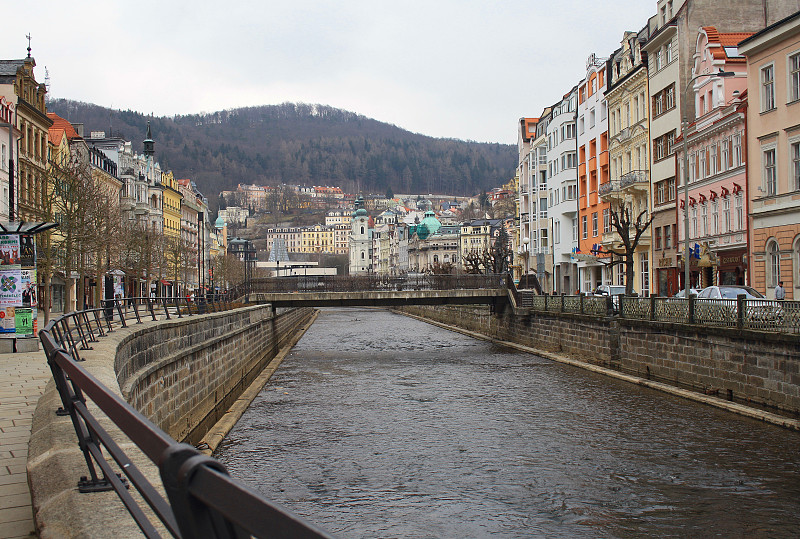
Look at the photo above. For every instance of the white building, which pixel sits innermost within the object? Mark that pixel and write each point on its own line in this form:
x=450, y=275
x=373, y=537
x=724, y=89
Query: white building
x=562, y=188
x=360, y=241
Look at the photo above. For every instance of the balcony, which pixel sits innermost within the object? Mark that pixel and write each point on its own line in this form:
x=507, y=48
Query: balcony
x=636, y=180
x=142, y=208
x=606, y=189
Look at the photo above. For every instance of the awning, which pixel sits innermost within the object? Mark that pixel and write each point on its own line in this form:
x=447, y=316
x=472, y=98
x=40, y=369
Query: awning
x=166, y=283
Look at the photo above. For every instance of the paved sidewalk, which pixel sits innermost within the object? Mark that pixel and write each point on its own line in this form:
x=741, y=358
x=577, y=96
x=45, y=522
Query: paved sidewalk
x=23, y=377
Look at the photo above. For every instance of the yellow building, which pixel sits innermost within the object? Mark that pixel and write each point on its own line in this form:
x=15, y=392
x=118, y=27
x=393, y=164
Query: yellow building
x=18, y=85
x=318, y=239
x=171, y=206
x=627, y=98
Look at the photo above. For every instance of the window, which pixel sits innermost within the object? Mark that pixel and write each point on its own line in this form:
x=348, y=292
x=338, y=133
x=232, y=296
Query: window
x=667, y=237
x=658, y=239
x=660, y=193
x=644, y=266
x=737, y=150
x=794, y=153
x=575, y=229
x=594, y=224
x=726, y=215
x=739, y=205
x=556, y=232
x=725, y=164
x=585, y=226
x=591, y=118
x=767, y=88
x=715, y=218
x=671, y=189
x=770, y=179
x=794, y=77
x=704, y=219
x=773, y=264
x=606, y=221
x=694, y=222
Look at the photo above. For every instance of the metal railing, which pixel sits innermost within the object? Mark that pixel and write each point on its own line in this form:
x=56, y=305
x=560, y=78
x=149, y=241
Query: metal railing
x=461, y=281
x=741, y=313
x=202, y=500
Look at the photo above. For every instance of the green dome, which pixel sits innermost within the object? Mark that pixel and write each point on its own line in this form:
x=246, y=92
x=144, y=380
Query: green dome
x=431, y=222
x=220, y=222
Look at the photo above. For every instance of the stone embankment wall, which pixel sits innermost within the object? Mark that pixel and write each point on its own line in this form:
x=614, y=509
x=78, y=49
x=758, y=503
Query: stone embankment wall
x=185, y=376
x=749, y=367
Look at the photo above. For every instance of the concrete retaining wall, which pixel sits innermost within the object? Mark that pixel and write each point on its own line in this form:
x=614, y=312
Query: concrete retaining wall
x=183, y=374
x=755, y=368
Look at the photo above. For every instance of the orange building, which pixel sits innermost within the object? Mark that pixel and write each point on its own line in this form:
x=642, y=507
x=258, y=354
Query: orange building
x=593, y=212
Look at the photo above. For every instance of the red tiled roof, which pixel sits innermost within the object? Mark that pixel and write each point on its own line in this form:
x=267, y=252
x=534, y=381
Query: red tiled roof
x=60, y=128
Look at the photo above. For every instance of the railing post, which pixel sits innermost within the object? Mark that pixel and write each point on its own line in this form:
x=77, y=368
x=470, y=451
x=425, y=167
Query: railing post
x=692, y=304
x=581, y=296
x=609, y=305
x=740, y=310
x=562, y=302
x=653, y=307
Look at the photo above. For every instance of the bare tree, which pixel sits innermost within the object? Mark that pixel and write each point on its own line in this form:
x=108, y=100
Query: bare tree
x=630, y=230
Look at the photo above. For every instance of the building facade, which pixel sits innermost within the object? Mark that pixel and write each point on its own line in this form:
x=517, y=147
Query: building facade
x=773, y=155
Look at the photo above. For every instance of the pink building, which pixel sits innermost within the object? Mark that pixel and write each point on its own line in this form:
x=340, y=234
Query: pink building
x=715, y=140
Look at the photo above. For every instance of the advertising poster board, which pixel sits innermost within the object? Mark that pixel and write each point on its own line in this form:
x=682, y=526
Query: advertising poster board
x=8, y=323
x=23, y=317
x=27, y=251
x=10, y=286
x=28, y=281
x=9, y=250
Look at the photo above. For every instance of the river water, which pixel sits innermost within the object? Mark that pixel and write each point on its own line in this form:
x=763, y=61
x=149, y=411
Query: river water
x=378, y=425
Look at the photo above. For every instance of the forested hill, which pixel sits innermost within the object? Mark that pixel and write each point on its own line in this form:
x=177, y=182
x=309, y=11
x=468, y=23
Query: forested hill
x=303, y=144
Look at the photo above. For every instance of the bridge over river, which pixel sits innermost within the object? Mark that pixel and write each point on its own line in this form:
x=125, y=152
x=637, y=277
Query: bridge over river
x=379, y=425
x=464, y=289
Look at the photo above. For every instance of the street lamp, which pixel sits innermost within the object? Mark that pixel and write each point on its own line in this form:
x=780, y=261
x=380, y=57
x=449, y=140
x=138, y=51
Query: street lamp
x=684, y=128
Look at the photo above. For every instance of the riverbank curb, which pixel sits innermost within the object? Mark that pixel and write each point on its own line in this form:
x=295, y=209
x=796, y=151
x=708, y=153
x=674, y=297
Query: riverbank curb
x=710, y=400
x=216, y=434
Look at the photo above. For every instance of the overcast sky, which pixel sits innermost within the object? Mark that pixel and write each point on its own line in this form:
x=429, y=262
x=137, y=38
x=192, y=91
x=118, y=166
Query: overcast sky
x=445, y=68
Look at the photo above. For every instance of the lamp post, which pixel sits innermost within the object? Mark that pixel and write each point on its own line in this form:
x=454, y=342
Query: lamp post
x=684, y=128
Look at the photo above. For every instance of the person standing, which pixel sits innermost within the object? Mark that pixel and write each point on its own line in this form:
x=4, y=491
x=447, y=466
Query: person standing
x=780, y=292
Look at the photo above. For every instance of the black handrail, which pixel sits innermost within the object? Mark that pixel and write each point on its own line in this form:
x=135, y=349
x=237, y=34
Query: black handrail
x=202, y=499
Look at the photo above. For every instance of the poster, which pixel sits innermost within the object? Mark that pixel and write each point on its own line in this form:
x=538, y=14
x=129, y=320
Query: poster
x=28, y=283
x=23, y=318
x=27, y=251
x=9, y=250
x=8, y=323
x=10, y=286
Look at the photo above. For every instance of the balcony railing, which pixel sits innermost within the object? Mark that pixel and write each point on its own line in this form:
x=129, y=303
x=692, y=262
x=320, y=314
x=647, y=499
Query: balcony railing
x=607, y=188
x=634, y=177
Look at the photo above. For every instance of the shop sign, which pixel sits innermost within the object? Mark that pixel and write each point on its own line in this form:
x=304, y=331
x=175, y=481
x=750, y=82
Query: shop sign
x=666, y=262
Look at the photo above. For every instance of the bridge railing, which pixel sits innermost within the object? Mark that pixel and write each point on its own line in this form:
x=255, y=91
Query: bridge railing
x=741, y=313
x=376, y=282
x=202, y=500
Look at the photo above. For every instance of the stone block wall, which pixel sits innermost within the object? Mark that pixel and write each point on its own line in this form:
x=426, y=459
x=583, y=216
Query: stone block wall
x=750, y=367
x=183, y=375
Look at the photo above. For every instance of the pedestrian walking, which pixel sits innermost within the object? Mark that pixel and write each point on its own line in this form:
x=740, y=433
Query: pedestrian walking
x=780, y=292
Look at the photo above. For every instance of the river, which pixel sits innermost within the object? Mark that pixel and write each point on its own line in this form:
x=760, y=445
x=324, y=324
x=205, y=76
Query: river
x=378, y=425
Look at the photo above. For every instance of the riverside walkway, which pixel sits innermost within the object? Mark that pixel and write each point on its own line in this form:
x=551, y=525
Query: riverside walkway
x=23, y=377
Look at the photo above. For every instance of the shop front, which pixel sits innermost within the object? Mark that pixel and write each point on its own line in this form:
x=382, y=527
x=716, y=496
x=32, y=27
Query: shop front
x=732, y=268
x=667, y=275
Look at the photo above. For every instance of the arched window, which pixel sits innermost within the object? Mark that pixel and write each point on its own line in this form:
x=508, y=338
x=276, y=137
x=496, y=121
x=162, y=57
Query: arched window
x=362, y=255
x=796, y=262
x=773, y=263
x=362, y=229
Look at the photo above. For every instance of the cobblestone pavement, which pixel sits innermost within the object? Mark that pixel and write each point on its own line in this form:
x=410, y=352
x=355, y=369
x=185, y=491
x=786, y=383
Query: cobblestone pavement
x=23, y=377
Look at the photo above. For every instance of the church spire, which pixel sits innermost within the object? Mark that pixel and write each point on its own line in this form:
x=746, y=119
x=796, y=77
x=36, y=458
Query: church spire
x=149, y=143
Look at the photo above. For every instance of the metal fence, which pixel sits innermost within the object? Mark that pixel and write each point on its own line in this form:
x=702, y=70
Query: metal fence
x=202, y=500
x=742, y=313
x=376, y=282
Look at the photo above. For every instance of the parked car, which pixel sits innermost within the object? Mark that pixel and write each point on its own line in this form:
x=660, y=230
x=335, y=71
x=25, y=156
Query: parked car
x=682, y=293
x=609, y=290
x=758, y=308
